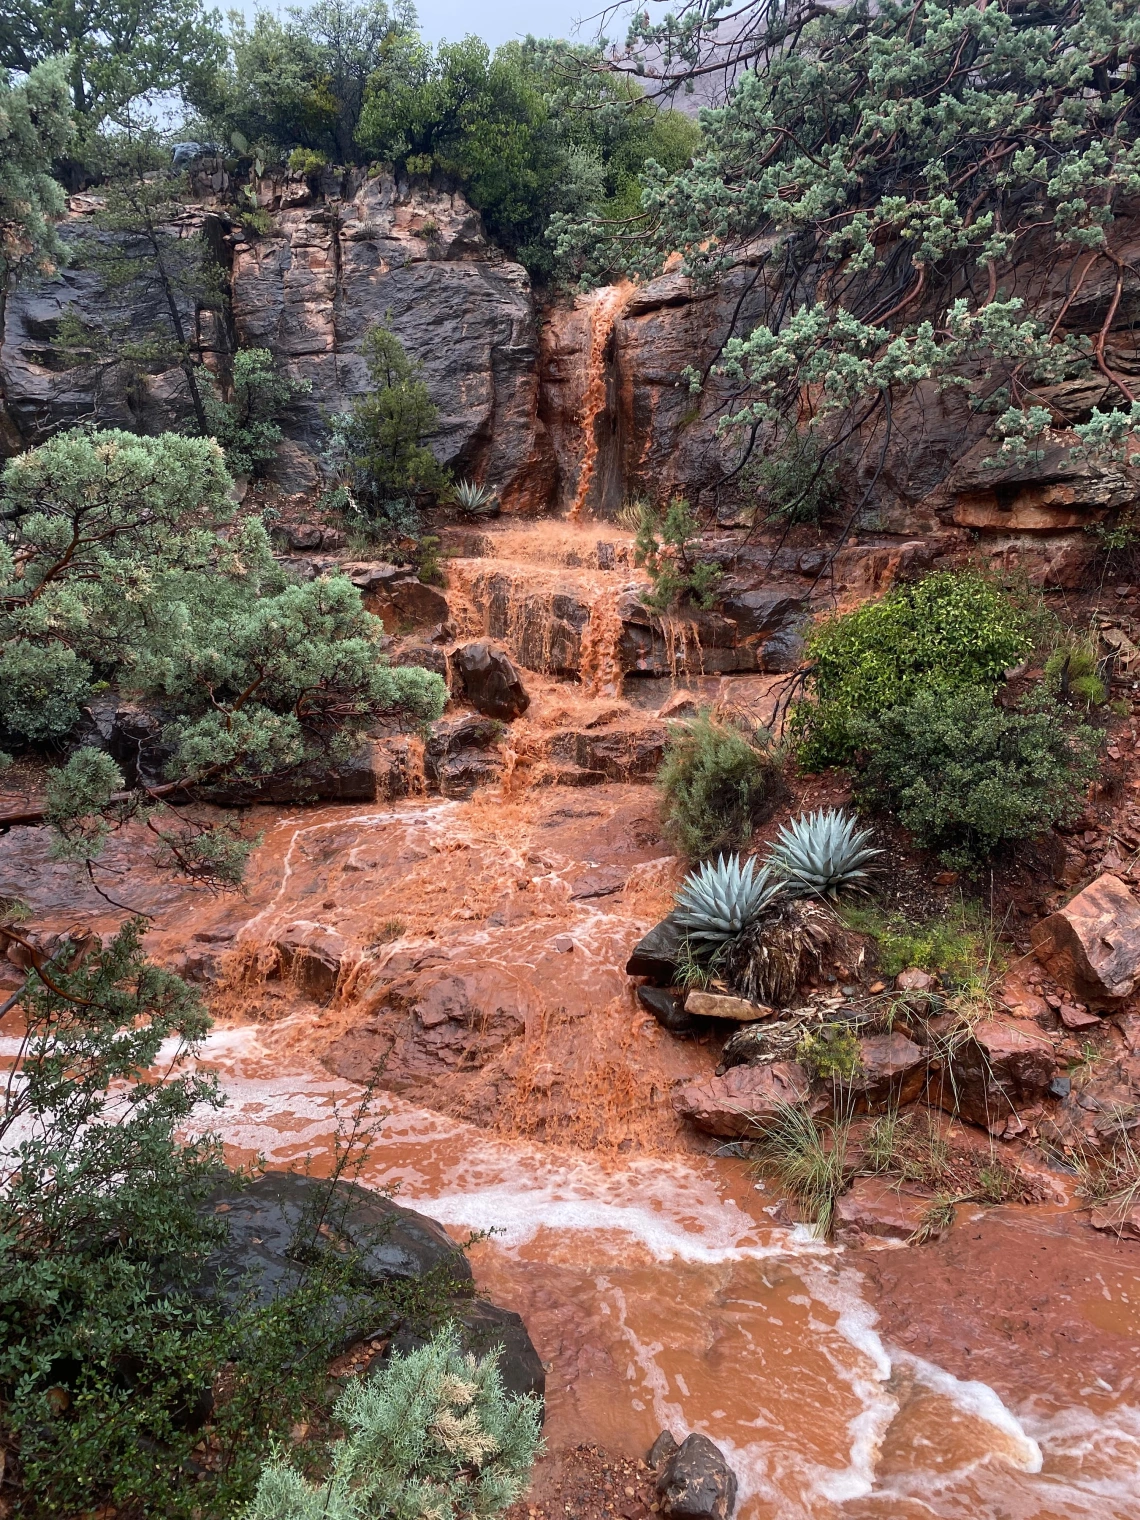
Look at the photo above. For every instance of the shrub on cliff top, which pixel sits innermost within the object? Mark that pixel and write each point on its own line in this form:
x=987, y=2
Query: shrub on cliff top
x=949, y=631
x=716, y=786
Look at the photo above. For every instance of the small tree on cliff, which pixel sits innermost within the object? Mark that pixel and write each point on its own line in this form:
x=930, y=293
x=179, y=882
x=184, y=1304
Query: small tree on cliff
x=123, y=566
x=34, y=129
x=379, y=447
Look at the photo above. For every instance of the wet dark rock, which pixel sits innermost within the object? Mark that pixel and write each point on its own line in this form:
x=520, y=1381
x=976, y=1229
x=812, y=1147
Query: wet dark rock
x=426, y=656
x=655, y=954
x=485, y=1328
x=311, y=957
x=354, y=779
x=667, y=1008
x=397, y=596
x=696, y=1483
x=271, y=1219
x=662, y=1449
x=461, y=755
x=491, y=681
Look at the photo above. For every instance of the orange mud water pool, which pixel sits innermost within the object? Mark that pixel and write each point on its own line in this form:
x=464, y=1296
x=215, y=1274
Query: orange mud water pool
x=654, y=1280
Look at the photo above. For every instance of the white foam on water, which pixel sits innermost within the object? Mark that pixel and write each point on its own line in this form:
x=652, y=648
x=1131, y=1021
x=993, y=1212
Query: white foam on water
x=981, y=1402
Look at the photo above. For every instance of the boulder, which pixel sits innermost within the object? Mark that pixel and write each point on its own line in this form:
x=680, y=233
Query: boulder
x=484, y=1328
x=739, y=1104
x=1092, y=945
x=655, y=954
x=397, y=596
x=716, y=1005
x=461, y=754
x=880, y=1208
x=891, y=1071
x=663, y=1448
x=696, y=1483
x=266, y=1218
x=311, y=957
x=491, y=681
x=998, y=1068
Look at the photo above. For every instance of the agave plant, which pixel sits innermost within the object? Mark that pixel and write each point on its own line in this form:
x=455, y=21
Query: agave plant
x=718, y=902
x=821, y=854
x=474, y=499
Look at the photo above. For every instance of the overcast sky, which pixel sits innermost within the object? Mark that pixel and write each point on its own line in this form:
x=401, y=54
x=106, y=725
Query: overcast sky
x=495, y=21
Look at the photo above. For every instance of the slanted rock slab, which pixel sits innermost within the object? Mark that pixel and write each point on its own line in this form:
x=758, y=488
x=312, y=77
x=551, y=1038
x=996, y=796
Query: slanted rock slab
x=716, y=1005
x=998, y=1069
x=696, y=1483
x=655, y=954
x=1092, y=945
x=737, y=1105
x=880, y=1208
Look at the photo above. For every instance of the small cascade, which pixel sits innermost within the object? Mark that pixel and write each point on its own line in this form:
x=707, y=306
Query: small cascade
x=601, y=668
x=603, y=313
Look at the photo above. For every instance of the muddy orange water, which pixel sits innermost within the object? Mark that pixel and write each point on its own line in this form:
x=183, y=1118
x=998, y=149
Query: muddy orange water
x=991, y=1377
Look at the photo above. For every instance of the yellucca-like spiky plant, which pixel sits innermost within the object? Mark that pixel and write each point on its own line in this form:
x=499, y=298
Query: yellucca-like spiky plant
x=719, y=901
x=820, y=854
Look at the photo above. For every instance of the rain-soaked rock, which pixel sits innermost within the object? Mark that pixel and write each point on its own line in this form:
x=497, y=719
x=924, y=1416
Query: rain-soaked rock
x=667, y=1008
x=655, y=954
x=995, y=1069
x=484, y=1329
x=270, y=1219
x=696, y=1483
x=311, y=956
x=738, y=1105
x=881, y=1208
x=891, y=1071
x=663, y=1448
x=461, y=754
x=397, y=596
x=491, y=681
x=1092, y=945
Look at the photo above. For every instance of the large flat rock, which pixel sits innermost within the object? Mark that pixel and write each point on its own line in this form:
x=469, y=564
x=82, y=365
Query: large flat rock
x=1092, y=944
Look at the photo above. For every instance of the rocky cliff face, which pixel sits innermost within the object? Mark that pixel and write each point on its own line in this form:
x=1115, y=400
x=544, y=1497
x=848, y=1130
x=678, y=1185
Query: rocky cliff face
x=582, y=404
x=333, y=264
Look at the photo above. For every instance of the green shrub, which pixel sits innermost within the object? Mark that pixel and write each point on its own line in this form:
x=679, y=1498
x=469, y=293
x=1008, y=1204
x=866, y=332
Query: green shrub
x=716, y=785
x=664, y=546
x=965, y=776
x=306, y=161
x=247, y=427
x=433, y=1434
x=1071, y=674
x=380, y=448
x=797, y=482
x=949, y=631
x=833, y=1051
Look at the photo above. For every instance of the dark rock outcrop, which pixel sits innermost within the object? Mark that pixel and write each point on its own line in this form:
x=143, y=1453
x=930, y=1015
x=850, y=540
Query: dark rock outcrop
x=695, y=1482
x=999, y=1068
x=461, y=755
x=490, y=681
x=484, y=1329
x=655, y=954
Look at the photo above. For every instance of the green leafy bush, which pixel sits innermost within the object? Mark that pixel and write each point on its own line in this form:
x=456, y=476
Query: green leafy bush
x=433, y=1434
x=949, y=631
x=965, y=776
x=716, y=787
x=247, y=427
x=306, y=161
x=380, y=448
x=798, y=483
x=665, y=547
